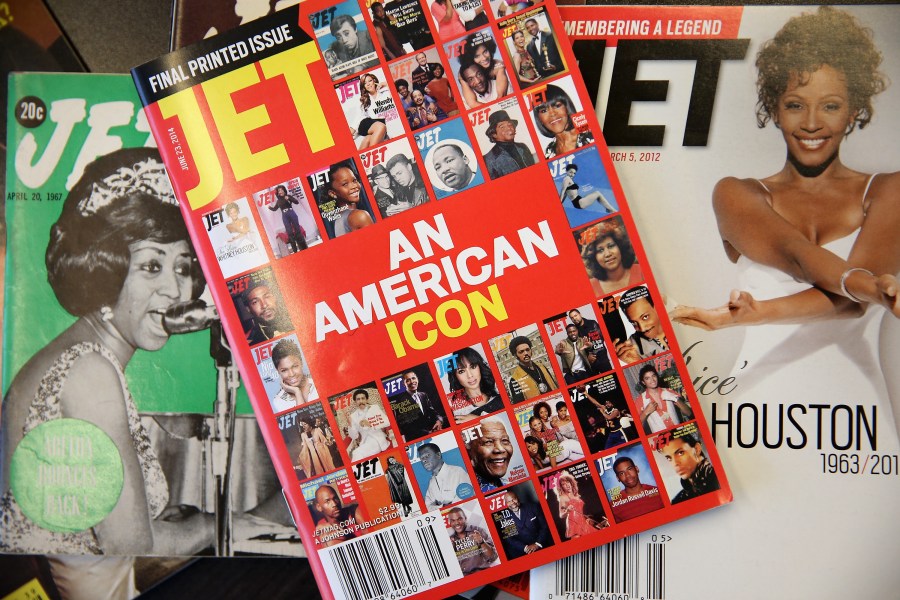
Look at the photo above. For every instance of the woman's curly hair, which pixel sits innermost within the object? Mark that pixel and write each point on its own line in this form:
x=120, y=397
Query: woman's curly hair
x=809, y=41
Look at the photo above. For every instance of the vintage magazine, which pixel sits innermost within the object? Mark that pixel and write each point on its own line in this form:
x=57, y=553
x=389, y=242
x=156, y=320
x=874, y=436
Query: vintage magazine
x=86, y=136
x=414, y=344
x=804, y=416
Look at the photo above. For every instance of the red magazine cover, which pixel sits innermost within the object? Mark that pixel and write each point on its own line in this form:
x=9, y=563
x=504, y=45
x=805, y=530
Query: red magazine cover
x=471, y=275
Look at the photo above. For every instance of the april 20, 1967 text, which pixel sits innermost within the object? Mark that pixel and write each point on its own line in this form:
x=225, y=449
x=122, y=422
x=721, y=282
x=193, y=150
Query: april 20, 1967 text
x=34, y=196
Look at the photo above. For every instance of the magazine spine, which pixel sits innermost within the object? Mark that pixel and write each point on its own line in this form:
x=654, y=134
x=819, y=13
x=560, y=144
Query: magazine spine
x=9, y=265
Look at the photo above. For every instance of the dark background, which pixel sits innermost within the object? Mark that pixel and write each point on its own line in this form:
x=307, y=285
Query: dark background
x=113, y=37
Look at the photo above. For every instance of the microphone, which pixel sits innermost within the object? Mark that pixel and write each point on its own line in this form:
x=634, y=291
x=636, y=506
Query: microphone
x=188, y=317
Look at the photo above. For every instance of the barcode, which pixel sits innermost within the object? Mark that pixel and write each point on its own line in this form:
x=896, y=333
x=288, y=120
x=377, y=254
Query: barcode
x=400, y=561
x=614, y=570
x=656, y=573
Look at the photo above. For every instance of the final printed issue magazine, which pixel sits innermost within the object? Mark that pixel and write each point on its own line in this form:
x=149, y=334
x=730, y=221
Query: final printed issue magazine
x=430, y=308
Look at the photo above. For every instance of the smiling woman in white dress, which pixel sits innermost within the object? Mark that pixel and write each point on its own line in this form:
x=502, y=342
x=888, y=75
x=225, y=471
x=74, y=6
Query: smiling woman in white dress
x=816, y=241
x=817, y=249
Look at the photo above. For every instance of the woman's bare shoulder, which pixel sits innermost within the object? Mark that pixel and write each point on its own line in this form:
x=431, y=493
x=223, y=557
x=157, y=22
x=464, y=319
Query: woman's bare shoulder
x=90, y=383
x=732, y=194
x=885, y=183
x=94, y=390
x=28, y=378
x=882, y=195
x=747, y=187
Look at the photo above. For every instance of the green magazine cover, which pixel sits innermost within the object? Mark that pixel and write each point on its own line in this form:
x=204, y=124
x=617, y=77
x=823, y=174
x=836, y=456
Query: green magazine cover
x=85, y=116
x=119, y=437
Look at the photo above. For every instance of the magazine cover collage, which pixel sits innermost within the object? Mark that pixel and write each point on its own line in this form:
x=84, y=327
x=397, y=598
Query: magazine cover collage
x=479, y=403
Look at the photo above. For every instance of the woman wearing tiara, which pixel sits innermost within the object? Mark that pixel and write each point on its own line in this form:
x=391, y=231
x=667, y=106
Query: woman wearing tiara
x=118, y=257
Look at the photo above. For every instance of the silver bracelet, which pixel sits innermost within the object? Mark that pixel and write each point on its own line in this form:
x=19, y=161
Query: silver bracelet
x=844, y=277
